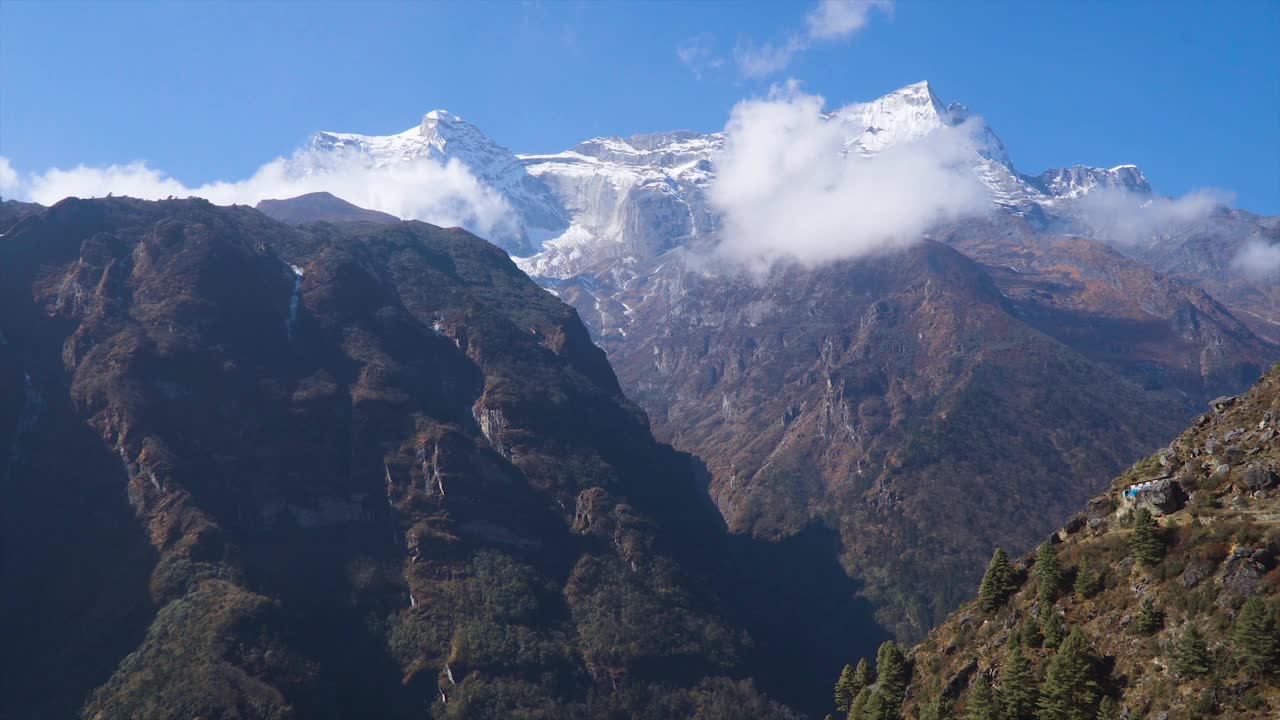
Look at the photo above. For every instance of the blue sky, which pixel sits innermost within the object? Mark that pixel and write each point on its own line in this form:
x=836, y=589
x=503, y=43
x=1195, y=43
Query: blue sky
x=1189, y=91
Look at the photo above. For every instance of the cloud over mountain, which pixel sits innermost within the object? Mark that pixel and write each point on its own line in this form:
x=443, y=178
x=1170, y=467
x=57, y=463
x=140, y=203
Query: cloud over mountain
x=443, y=193
x=1120, y=217
x=789, y=189
x=1258, y=260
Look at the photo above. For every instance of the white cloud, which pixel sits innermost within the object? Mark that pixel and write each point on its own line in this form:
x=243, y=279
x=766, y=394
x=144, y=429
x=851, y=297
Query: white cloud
x=1259, y=259
x=788, y=190
x=444, y=194
x=830, y=20
x=8, y=177
x=839, y=18
x=761, y=60
x=698, y=54
x=1122, y=217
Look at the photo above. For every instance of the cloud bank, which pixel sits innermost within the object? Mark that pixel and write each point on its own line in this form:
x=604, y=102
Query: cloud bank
x=830, y=20
x=1123, y=218
x=787, y=189
x=445, y=194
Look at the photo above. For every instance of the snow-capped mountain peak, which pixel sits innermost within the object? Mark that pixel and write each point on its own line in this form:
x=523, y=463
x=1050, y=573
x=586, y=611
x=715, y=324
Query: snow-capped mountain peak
x=440, y=136
x=443, y=137
x=1078, y=180
x=633, y=197
x=900, y=117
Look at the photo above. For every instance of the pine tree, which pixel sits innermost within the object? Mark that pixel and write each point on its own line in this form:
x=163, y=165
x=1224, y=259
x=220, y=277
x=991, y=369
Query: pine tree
x=1031, y=635
x=1192, y=654
x=1071, y=687
x=858, y=709
x=1048, y=572
x=936, y=710
x=1150, y=620
x=981, y=703
x=1108, y=709
x=1087, y=580
x=863, y=676
x=1255, y=638
x=1018, y=693
x=1146, y=541
x=845, y=690
x=997, y=582
x=1054, y=630
x=885, y=702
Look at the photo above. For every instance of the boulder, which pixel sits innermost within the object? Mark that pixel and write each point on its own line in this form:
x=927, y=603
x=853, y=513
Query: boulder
x=1220, y=404
x=1163, y=497
x=1259, y=477
x=1195, y=572
x=1243, y=570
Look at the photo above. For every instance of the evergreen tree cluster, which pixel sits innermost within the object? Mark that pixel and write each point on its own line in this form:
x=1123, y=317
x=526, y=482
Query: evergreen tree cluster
x=1018, y=692
x=851, y=683
x=981, y=703
x=1256, y=638
x=862, y=694
x=1071, y=690
x=1070, y=686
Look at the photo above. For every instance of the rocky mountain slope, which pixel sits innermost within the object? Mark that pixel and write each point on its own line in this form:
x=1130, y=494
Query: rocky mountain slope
x=1167, y=335
x=750, y=375
x=355, y=470
x=909, y=401
x=1169, y=579
x=1209, y=254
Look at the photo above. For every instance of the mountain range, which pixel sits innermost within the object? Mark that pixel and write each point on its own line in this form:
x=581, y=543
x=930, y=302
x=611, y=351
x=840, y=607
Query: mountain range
x=308, y=460
x=611, y=200
x=891, y=399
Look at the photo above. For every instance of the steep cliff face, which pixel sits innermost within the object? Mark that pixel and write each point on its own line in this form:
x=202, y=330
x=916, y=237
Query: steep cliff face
x=346, y=470
x=1141, y=595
